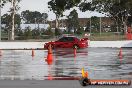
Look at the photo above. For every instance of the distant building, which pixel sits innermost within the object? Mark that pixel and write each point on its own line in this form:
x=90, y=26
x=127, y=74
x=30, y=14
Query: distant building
x=105, y=22
x=34, y=26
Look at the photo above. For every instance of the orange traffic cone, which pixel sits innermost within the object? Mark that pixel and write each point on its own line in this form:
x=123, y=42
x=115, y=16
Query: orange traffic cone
x=120, y=53
x=0, y=52
x=49, y=56
x=75, y=52
x=50, y=49
x=50, y=77
x=33, y=54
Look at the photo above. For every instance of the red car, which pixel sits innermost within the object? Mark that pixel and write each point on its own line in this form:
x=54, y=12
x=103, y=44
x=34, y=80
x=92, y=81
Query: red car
x=68, y=42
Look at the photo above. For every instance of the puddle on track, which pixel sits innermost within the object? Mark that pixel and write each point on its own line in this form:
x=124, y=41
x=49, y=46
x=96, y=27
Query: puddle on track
x=101, y=63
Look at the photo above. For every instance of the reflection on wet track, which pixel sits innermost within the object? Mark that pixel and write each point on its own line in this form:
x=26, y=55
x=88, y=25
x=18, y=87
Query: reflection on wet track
x=101, y=63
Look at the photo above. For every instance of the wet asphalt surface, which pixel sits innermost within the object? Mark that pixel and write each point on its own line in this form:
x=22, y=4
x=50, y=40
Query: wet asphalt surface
x=101, y=63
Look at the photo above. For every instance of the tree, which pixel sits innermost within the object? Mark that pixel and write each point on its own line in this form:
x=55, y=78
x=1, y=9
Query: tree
x=59, y=6
x=7, y=20
x=73, y=22
x=38, y=17
x=13, y=10
x=88, y=24
x=48, y=32
x=33, y=17
x=35, y=34
x=27, y=33
x=3, y=2
x=80, y=30
x=26, y=16
x=95, y=23
x=119, y=10
x=44, y=17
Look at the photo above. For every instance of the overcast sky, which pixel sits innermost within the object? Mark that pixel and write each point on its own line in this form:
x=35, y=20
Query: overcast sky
x=42, y=6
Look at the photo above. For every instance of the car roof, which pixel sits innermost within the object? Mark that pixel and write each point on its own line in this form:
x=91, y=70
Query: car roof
x=69, y=37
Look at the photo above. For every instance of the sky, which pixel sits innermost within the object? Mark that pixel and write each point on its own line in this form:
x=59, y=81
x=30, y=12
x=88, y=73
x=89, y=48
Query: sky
x=42, y=6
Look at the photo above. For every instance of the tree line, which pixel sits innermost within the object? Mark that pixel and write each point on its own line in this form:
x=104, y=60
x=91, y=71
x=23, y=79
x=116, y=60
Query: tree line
x=36, y=18
x=26, y=17
x=119, y=10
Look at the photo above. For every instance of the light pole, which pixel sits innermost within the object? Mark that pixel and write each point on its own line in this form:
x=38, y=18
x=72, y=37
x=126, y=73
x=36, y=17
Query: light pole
x=100, y=25
x=90, y=25
x=0, y=20
x=51, y=24
x=44, y=22
x=62, y=23
x=44, y=19
x=35, y=24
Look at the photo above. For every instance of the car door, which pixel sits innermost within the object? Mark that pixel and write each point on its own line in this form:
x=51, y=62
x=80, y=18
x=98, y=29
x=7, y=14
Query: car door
x=61, y=42
x=69, y=42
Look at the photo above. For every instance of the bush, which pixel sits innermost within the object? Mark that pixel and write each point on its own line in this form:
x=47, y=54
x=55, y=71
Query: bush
x=49, y=32
x=80, y=30
x=57, y=32
x=27, y=33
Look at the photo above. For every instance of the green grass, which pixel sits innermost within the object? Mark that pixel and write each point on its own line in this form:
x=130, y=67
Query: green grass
x=107, y=36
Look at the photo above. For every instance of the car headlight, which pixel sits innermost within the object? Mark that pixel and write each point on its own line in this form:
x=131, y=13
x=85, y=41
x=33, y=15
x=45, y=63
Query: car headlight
x=83, y=43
